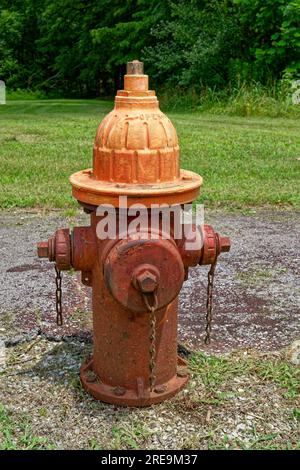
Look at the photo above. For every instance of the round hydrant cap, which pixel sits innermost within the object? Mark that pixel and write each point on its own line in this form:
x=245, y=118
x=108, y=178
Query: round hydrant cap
x=136, y=143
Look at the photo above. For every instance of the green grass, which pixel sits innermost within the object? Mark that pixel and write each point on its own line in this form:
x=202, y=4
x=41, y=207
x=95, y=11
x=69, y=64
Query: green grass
x=23, y=94
x=218, y=376
x=216, y=371
x=244, y=161
x=16, y=435
x=130, y=437
x=222, y=395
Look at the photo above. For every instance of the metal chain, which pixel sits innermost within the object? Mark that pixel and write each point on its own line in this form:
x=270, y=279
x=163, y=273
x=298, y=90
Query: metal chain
x=209, y=301
x=152, y=338
x=58, y=295
x=152, y=349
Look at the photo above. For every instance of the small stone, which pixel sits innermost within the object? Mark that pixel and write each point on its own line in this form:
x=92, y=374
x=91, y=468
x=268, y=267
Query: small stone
x=2, y=355
x=293, y=353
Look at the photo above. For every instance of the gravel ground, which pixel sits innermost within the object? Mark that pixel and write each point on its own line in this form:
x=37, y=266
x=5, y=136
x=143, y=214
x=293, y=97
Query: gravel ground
x=257, y=286
x=225, y=405
x=256, y=316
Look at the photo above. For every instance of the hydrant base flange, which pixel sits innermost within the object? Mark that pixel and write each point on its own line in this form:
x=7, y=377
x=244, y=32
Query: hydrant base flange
x=141, y=396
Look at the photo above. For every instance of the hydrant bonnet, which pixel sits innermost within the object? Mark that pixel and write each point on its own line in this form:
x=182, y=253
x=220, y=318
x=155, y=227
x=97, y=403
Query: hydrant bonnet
x=136, y=152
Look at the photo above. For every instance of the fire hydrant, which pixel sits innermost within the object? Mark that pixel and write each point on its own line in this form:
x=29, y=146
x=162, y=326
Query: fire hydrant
x=135, y=278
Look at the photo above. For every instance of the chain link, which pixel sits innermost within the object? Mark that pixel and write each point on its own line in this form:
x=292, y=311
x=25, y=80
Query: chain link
x=152, y=349
x=152, y=337
x=209, y=301
x=58, y=295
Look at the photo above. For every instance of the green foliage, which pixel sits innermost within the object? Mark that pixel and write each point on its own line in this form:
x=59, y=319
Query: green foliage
x=129, y=437
x=19, y=30
x=194, y=46
x=245, y=99
x=213, y=42
x=10, y=34
x=271, y=37
x=215, y=371
x=78, y=48
x=25, y=94
x=124, y=32
x=75, y=48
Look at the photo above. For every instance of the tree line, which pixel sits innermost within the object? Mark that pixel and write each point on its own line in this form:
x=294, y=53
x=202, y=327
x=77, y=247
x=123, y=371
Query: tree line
x=79, y=47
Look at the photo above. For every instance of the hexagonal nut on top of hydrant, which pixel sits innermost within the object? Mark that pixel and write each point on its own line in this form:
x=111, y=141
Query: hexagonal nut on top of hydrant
x=135, y=280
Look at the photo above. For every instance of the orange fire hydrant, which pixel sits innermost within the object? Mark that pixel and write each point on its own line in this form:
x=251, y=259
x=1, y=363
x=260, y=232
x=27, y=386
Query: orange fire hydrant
x=135, y=278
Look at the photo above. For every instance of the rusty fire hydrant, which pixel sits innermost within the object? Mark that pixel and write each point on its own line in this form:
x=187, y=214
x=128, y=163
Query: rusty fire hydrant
x=135, y=278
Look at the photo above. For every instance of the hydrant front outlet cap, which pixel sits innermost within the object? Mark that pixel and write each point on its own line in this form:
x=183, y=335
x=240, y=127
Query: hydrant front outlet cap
x=135, y=279
x=155, y=266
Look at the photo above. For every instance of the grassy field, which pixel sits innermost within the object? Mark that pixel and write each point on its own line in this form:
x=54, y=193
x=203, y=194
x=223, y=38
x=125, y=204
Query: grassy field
x=244, y=161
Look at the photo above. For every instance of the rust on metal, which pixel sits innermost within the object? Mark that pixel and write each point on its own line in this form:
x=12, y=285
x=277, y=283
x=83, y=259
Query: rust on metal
x=119, y=391
x=135, y=281
x=160, y=389
x=182, y=372
x=146, y=281
x=43, y=250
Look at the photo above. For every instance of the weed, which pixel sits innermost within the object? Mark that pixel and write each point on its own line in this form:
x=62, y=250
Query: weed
x=214, y=371
x=128, y=436
x=18, y=435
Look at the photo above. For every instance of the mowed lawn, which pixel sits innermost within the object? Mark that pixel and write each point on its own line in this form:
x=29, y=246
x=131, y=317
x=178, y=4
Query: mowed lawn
x=244, y=161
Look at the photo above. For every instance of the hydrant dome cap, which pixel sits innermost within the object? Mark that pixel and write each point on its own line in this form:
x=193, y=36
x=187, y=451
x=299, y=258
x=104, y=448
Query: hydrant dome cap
x=136, y=150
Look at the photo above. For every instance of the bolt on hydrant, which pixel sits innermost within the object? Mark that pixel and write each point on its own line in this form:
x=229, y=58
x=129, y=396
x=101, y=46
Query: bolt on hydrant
x=137, y=270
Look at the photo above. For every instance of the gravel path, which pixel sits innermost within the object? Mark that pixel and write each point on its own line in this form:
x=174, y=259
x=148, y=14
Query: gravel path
x=257, y=293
